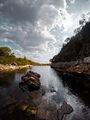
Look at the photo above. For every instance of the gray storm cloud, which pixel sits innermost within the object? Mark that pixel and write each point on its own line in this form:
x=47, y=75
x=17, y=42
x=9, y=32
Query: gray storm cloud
x=28, y=24
x=27, y=19
x=26, y=10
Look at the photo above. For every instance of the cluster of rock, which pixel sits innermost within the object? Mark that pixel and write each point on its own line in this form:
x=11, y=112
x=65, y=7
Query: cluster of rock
x=47, y=110
x=30, y=81
x=64, y=109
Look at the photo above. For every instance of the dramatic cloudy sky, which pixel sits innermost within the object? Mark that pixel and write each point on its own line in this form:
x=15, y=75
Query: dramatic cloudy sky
x=37, y=28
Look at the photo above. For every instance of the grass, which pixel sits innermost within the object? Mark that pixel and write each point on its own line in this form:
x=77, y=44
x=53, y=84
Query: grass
x=7, y=57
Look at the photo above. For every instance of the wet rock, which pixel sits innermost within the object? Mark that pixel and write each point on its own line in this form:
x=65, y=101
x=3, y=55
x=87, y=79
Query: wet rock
x=33, y=74
x=46, y=110
x=30, y=81
x=64, y=109
x=43, y=92
x=52, y=89
x=46, y=115
x=47, y=105
x=52, y=115
x=42, y=114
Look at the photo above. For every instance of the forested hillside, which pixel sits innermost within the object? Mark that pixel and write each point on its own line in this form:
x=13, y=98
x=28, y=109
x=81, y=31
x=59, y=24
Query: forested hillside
x=78, y=46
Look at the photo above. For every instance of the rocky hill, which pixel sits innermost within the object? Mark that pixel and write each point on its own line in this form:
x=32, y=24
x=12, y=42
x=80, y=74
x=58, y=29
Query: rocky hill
x=77, y=48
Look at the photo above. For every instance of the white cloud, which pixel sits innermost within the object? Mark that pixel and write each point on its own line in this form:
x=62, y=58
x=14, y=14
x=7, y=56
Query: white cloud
x=28, y=24
x=72, y=1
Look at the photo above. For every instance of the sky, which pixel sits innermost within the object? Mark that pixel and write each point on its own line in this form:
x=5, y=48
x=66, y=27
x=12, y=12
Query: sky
x=37, y=29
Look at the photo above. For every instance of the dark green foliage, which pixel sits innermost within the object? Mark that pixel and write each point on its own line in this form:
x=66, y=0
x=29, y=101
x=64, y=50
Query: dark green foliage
x=77, y=48
x=5, y=51
x=7, y=57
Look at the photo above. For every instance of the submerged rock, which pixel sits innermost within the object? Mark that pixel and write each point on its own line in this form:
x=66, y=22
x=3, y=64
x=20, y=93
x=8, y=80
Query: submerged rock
x=30, y=81
x=47, y=110
x=42, y=114
x=64, y=109
x=53, y=89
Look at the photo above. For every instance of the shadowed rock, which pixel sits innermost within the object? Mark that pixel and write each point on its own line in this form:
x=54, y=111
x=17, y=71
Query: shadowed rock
x=30, y=81
x=33, y=74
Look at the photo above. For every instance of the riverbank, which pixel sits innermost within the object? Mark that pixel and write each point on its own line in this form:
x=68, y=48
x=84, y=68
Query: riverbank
x=73, y=69
x=78, y=67
x=43, y=103
x=76, y=76
x=10, y=68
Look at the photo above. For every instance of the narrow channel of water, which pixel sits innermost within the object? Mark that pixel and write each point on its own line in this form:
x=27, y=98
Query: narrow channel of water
x=54, y=90
x=50, y=79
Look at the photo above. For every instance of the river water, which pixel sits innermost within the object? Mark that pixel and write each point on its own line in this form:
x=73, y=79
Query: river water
x=53, y=86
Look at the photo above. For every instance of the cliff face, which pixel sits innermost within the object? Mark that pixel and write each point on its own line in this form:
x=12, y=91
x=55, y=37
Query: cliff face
x=77, y=48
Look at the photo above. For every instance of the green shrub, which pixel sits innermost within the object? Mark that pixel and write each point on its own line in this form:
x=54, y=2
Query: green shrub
x=7, y=57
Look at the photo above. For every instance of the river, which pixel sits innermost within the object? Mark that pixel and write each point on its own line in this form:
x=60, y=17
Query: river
x=53, y=86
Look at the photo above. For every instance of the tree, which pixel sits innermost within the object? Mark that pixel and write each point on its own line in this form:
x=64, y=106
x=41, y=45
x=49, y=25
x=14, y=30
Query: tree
x=5, y=51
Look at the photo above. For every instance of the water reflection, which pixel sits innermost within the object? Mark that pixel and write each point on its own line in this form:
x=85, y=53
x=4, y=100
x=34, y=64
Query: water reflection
x=79, y=86
x=49, y=79
x=8, y=79
x=55, y=91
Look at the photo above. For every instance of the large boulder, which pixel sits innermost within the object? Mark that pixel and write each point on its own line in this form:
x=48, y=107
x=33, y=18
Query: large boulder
x=32, y=74
x=30, y=81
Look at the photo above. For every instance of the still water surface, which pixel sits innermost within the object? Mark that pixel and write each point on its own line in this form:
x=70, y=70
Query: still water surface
x=50, y=81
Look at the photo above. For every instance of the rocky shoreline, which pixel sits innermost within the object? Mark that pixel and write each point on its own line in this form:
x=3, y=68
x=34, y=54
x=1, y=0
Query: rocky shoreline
x=79, y=67
x=10, y=68
x=77, y=76
x=45, y=110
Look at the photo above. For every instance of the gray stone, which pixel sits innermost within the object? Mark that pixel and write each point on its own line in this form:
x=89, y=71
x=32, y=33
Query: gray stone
x=64, y=109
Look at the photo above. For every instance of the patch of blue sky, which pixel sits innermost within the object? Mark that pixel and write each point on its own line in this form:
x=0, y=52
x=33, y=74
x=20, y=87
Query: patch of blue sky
x=10, y=44
x=57, y=32
x=78, y=7
x=56, y=45
x=5, y=21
